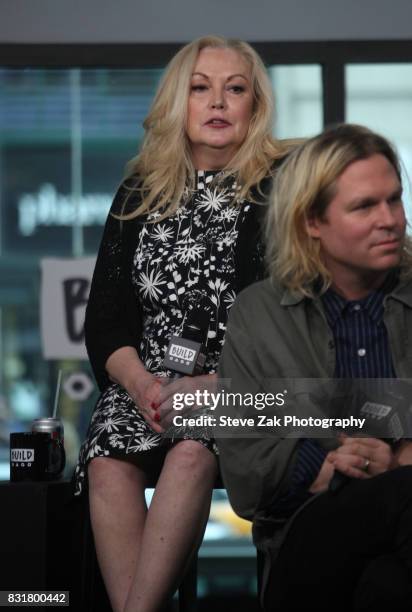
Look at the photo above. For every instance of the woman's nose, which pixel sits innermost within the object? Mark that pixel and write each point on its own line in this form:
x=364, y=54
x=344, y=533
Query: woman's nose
x=218, y=103
x=217, y=98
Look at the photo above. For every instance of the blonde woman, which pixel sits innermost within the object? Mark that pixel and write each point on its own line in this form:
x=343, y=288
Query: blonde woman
x=183, y=233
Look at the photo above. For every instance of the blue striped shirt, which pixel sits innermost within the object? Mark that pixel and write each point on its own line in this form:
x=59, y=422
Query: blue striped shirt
x=362, y=351
x=361, y=339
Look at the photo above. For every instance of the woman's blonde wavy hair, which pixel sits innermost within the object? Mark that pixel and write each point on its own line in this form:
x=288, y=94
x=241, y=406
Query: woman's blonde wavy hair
x=304, y=187
x=164, y=166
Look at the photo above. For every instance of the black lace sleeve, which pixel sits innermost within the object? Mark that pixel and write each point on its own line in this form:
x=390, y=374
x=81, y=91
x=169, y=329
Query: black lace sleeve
x=113, y=317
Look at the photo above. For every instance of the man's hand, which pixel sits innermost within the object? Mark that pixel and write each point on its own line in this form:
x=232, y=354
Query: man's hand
x=356, y=458
x=403, y=453
x=362, y=457
x=324, y=477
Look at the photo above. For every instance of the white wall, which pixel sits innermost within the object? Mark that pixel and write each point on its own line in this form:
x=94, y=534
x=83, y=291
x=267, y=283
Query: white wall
x=99, y=21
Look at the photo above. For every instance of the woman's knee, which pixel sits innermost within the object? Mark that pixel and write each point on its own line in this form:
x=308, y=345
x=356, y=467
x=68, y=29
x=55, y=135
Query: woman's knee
x=104, y=472
x=192, y=457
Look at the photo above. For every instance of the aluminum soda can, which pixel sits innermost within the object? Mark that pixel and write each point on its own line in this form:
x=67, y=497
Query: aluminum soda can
x=52, y=430
x=50, y=425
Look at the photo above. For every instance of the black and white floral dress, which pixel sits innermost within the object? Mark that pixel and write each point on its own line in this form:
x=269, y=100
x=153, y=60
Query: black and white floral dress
x=179, y=262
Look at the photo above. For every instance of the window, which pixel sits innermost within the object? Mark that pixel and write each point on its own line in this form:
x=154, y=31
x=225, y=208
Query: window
x=380, y=97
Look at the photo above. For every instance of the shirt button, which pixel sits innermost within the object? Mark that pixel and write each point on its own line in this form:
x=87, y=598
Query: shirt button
x=361, y=352
x=357, y=307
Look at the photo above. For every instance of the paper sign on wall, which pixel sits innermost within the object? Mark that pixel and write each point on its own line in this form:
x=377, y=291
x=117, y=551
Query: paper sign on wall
x=64, y=293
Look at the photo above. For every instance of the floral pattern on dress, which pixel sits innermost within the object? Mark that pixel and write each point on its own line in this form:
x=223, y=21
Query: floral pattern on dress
x=185, y=260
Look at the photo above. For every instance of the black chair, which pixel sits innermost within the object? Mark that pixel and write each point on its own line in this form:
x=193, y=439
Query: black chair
x=47, y=544
x=37, y=544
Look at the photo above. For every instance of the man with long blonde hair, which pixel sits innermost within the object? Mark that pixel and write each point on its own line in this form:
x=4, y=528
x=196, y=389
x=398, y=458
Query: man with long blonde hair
x=333, y=514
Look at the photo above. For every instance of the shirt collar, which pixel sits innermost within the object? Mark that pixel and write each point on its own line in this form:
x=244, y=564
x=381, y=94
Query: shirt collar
x=335, y=305
x=401, y=292
x=291, y=298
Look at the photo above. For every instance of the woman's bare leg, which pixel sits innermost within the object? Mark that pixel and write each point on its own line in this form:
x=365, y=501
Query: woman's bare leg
x=118, y=512
x=174, y=524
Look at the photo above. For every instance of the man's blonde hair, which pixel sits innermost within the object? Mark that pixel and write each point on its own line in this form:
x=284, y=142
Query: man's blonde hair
x=164, y=167
x=303, y=189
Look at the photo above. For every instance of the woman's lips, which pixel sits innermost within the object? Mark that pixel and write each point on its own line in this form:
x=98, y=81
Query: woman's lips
x=217, y=123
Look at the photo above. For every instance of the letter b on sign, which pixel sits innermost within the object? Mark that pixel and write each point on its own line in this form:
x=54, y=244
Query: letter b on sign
x=76, y=291
x=64, y=295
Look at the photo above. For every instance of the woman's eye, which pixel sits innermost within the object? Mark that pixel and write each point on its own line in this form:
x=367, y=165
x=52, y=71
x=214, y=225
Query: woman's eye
x=198, y=87
x=237, y=89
